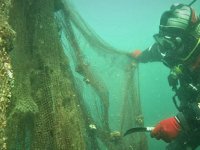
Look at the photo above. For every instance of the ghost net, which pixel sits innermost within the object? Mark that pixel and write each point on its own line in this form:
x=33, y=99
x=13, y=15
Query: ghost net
x=72, y=90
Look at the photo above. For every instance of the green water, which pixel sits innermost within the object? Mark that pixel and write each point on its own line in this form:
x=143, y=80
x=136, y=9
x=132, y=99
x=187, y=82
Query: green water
x=129, y=25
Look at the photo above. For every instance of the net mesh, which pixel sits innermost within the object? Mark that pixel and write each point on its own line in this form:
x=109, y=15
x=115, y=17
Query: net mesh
x=72, y=89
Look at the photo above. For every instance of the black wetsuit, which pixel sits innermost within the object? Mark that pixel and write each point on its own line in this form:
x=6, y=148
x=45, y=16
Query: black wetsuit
x=187, y=92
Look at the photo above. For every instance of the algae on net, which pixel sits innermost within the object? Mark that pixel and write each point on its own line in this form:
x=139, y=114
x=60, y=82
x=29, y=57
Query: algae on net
x=6, y=74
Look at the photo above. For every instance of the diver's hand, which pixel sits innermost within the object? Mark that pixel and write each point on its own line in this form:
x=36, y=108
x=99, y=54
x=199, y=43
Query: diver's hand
x=166, y=130
x=135, y=54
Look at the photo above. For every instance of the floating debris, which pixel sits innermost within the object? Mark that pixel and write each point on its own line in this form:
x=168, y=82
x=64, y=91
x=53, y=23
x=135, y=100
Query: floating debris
x=92, y=126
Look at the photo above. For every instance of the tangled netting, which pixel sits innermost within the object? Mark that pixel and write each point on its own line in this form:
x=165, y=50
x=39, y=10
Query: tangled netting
x=72, y=89
x=106, y=79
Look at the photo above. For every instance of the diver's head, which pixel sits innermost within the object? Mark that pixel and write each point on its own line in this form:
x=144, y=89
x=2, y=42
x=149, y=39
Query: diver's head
x=178, y=19
x=174, y=29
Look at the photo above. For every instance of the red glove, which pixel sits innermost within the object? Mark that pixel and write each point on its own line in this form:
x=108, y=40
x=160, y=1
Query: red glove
x=166, y=130
x=136, y=53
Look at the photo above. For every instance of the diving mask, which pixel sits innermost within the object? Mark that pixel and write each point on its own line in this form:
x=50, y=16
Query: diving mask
x=169, y=46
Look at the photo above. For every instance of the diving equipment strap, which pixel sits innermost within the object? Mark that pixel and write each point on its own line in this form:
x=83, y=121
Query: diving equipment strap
x=192, y=2
x=188, y=56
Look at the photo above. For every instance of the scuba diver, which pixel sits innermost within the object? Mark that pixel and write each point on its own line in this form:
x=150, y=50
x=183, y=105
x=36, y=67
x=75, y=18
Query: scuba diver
x=177, y=45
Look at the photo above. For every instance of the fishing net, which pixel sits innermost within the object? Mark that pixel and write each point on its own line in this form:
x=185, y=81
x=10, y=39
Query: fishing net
x=72, y=90
x=6, y=73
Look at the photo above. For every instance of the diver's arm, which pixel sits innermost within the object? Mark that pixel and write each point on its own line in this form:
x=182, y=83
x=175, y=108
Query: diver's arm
x=151, y=54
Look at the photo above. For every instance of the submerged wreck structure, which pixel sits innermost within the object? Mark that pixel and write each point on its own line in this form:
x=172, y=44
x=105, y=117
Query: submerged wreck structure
x=62, y=87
